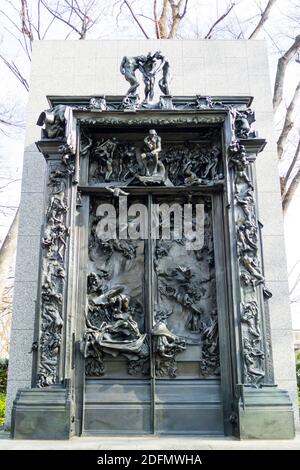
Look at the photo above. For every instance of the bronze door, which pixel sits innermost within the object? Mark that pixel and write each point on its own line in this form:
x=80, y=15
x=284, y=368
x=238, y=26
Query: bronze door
x=151, y=345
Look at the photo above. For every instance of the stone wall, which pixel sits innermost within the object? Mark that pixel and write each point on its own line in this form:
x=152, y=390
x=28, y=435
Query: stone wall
x=199, y=67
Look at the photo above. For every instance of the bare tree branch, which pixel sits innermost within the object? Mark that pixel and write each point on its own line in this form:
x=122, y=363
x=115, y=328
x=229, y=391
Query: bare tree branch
x=26, y=27
x=281, y=69
x=293, y=267
x=56, y=15
x=10, y=182
x=15, y=70
x=264, y=17
x=136, y=19
x=26, y=22
x=157, y=32
x=48, y=27
x=8, y=207
x=289, y=193
x=17, y=38
x=176, y=16
x=11, y=21
x=285, y=179
x=221, y=18
x=6, y=123
x=39, y=20
x=288, y=122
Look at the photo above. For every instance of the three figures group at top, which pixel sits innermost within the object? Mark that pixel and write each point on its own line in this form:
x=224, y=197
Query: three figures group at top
x=149, y=65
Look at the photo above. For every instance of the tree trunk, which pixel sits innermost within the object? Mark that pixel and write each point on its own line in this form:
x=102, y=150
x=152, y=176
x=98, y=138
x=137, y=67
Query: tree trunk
x=289, y=193
x=288, y=123
x=280, y=74
x=264, y=17
x=162, y=22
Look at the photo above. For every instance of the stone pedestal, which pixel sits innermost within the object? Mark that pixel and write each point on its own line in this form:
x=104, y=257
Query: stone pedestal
x=266, y=413
x=42, y=413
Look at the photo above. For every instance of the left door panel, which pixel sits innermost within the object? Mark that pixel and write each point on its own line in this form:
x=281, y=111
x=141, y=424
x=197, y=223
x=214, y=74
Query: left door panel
x=117, y=384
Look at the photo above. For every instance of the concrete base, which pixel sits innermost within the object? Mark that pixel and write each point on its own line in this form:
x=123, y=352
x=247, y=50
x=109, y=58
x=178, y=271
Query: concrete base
x=266, y=413
x=41, y=414
x=148, y=442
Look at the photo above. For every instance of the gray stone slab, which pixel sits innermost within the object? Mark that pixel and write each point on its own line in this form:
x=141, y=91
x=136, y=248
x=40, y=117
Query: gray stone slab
x=28, y=252
x=270, y=213
x=279, y=306
x=236, y=86
x=25, y=294
x=84, y=61
x=178, y=83
x=283, y=355
x=235, y=48
x=274, y=258
x=267, y=173
x=34, y=132
x=261, y=90
x=257, y=57
x=20, y=358
x=69, y=48
x=104, y=82
x=58, y=87
x=84, y=50
x=66, y=66
x=46, y=65
x=215, y=83
x=214, y=59
x=121, y=49
x=264, y=125
x=237, y=82
x=34, y=171
x=172, y=49
x=43, y=58
x=87, y=85
x=193, y=76
x=108, y=49
x=193, y=48
x=31, y=214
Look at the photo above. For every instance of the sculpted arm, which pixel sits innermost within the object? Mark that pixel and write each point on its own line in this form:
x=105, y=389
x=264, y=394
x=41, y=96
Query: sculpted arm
x=158, y=147
x=122, y=66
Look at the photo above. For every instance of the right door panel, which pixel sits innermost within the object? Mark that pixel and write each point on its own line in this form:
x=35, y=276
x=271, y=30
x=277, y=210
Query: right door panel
x=185, y=332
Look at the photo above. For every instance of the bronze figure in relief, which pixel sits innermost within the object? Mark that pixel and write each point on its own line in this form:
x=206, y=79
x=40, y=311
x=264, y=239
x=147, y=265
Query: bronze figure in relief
x=154, y=169
x=149, y=65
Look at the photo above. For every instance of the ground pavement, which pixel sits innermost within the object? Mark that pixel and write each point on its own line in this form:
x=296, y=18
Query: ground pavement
x=148, y=443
